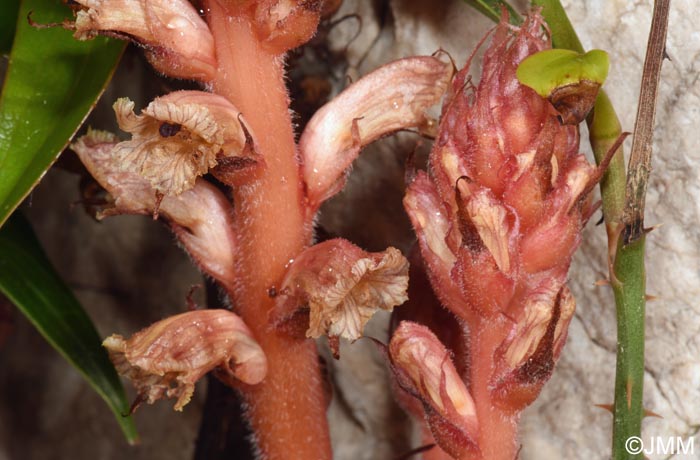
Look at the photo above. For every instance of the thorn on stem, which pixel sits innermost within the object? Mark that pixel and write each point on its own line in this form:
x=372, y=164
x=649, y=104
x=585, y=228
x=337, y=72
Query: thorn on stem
x=608, y=407
x=603, y=166
x=629, y=394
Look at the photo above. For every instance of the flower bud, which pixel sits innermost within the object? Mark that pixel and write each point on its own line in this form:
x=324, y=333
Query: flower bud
x=424, y=368
x=500, y=217
x=177, y=40
x=167, y=358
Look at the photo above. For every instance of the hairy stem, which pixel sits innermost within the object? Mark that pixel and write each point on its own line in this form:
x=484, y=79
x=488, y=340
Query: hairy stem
x=498, y=429
x=287, y=410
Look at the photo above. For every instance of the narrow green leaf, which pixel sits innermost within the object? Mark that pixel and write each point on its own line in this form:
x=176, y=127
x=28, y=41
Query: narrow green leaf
x=8, y=22
x=492, y=10
x=29, y=281
x=51, y=85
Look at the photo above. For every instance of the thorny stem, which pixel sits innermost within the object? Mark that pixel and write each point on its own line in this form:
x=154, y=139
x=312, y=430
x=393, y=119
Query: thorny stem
x=627, y=274
x=288, y=408
x=630, y=257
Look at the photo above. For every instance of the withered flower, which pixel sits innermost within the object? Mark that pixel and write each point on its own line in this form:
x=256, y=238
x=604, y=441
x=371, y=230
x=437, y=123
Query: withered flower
x=424, y=368
x=343, y=287
x=178, y=138
x=177, y=40
x=200, y=216
x=167, y=358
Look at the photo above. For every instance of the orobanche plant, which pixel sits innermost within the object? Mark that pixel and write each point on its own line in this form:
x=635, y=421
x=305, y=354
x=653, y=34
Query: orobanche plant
x=483, y=313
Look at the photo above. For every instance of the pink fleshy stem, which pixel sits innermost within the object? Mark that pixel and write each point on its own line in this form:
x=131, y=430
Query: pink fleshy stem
x=287, y=411
x=498, y=429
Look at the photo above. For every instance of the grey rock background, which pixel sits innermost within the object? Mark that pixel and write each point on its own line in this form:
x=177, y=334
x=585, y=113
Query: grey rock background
x=47, y=412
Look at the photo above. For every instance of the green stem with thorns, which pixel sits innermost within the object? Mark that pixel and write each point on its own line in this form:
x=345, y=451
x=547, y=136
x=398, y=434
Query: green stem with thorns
x=624, y=216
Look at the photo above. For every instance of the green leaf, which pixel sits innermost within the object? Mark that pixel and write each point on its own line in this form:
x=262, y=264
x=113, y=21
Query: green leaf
x=8, y=22
x=29, y=281
x=550, y=69
x=51, y=85
x=492, y=10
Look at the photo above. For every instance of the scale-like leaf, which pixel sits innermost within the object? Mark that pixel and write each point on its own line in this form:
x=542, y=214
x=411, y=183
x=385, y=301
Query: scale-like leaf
x=29, y=281
x=51, y=84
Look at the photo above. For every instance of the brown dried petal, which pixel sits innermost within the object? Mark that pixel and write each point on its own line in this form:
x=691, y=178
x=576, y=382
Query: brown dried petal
x=167, y=358
x=396, y=96
x=574, y=101
x=201, y=216
x=344, y=286
x=178, y=138
x=178, y=40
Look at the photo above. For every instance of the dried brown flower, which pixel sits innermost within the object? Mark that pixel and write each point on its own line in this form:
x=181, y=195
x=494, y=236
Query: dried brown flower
x=178, y=138
x=343, y=286
x=200, y=216
x=167, y=358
